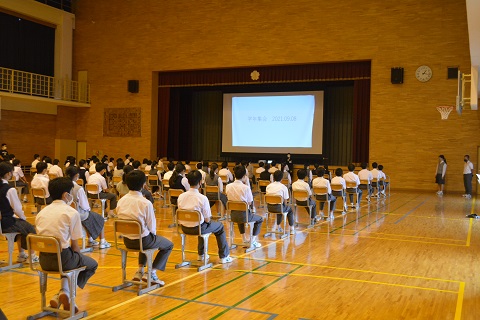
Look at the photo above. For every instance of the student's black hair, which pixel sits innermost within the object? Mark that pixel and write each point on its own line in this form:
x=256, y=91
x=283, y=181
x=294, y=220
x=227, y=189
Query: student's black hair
x=71, y=172
x=136, y=164
x=35, y=156
x=199, y=165
x=274, y=163
x=5, y=168
x=11, y=156
x=213, y=167
x=149, y=162
x=127, y=156
x=339, y=172
x=58, y=186
x=81, y=163
x=261, y=164
x=239, y=172
x=56, y=162
x=267, y=166
x=194, y=178
x=320, y=172
x=135, y=180
x=364, y=165
x=170, y=166
x=278, y=175
x=4, y=144
x=224, y=164
x=120, y=164
x=244, y=163
x=100, y=166
x=41, y=166
x=443, y=158
x=467, y=156
x=179, y=168
x=145, y=160
x=301, y=174
x=187, y=161
x=380, y=167
x=16, y=162
x=282, y=166
x=374, y=165
x=126, y=170
x=351, y=167
x=48, y=160
x=205, y=165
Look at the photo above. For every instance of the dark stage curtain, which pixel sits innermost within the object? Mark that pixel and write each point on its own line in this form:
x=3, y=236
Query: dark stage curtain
x=361, y=123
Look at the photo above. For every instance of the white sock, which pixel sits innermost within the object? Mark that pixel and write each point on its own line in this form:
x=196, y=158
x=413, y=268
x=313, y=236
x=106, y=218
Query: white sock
x=65, y=286
x=91, y=239
x=103, y=240
x=254, y=239
x=141, y=269
x=244, y=237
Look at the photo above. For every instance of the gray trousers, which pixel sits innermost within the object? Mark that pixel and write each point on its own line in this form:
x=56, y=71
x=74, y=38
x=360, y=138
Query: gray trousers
x=152, y=241
x=217, y=229
x=467, y=182
x=239, y=218
x=24, y=228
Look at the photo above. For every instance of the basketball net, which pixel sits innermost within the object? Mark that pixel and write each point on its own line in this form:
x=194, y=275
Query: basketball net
x=444, y=111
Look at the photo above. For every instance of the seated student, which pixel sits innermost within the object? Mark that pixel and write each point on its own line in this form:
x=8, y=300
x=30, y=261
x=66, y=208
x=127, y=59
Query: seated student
x=188, y=168
x=381, y=177
x=118, y=170
x=127, y=159
x=91, y=221
x=301, y=185
x=41, y=180
x=309, y=175
x=48, y=161
x=155, y=172
x=339, y=180
x=98, y=179
x=352, y=177
x=239, y=191
x=286, y=174
x=10, y=206
x=178, y=181
x=144, y=164
x=55, y=169
x=36, y=159
x=148, y=167
x=136, y=165
x=225, y=172
x=122, y=187
x=133, y=206
x=20, y=179
x=273, y=167
x=63, y=222
x=249, y=166
x=212, y=179
x=168, y=174
x=260, y=168
x=366, y=175
x=266, y=175
x=204, y=173
x=375, y=176
x=147, y=194
x=194, y=200
x=93, y=165
x=277, y=188
x=319, y=182
x=82, y=171
x=12, y=157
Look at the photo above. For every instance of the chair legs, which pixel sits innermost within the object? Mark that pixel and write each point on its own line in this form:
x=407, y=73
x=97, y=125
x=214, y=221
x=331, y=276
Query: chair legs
x=84, y=242
x=174, y=218
x=186, y=262
x=11, y=245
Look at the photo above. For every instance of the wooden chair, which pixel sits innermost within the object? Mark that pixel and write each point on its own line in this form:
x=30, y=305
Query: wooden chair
x=365, y=185
x=257, y=177
x=386, y=185
x=165, y=188
x=321, y=195
x=239, y=206
x=80, y=183
x=352, y=189
x=224, y=178
x=192, y=216
x=262, y=183
x=48, y=244
x=40, y=194
x=116, y=180
x=218, y=202
x=84, y=249
x=13, y=183
x=94, y=195
x=10, y=237
x=132, y=227
x=375, y=185
x=173, y=193
x=52, y=176
x=274, y=200
x=302, y=195
x=338, y=192
x=152, y=181
x=286, y=183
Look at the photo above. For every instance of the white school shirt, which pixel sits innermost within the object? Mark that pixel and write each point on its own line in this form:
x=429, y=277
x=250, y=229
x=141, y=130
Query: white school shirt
x=238, y=191
x=468, y=167
x=167, y=175
x=204, y=174
x=278, y=188
x=188, y=168
x=99, y=180
x=194, y=200
x=374, y=173
x=322, y=182
x=56, y=170
x=260, y=170
x=18, y=173
x=133, y=206
x=444, y=168
x=351, y=177
x=15, y=203
x=272, y=169
x=41, y=181
x=226, y=172
x=365, y=174
x=92, y=168
x=301, y=185
x=61, y=221
x=339, y=180
x=381, y=175
x=80, y=198
x=34, y=163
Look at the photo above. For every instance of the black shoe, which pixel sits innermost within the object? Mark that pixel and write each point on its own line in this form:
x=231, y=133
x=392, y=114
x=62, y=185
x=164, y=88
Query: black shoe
x=473, y=216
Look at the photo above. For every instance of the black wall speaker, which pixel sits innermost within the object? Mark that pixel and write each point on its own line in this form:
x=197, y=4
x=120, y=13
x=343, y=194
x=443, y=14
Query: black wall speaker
x=397, y=75
x=133, y=86
x=452, y=73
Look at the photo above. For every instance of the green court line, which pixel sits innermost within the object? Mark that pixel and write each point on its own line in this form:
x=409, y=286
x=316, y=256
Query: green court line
x=207, y=292
x=255, y=293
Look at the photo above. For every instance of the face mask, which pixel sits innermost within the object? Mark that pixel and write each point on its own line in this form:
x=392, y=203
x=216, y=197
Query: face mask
x=69, y=199
x=466, y=160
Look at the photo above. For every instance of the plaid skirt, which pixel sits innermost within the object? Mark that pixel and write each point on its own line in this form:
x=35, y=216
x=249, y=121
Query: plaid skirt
x=94, y=224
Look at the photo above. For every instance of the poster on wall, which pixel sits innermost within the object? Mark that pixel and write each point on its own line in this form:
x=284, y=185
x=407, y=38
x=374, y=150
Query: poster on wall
x=122, y=122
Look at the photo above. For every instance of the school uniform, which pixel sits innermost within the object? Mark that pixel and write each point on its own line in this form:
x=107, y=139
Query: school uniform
x=365, y=174
x=226, y=172
x=17, y=174
x=301, y=185
x=83, y=174
x=212, y=197
x=322, y=182
x=40, y=181
x=467, y=177
x=56, y=170
x=339, y=180
x=265, y=175
x=180, y=183
x=101, y=183
x=91, y=221
x=278, y=188
x=238, y=191
x=441, y=170
x=352, y=177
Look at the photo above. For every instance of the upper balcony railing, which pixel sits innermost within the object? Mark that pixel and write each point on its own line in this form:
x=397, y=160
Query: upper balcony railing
x=38, y=85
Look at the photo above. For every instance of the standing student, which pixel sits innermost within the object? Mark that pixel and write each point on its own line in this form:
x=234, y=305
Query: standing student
x=12, y=216
x=467, y=176
x=277, y=188
x=194, y=200
x=63, y=222
x=240, y=191
x=133, y=206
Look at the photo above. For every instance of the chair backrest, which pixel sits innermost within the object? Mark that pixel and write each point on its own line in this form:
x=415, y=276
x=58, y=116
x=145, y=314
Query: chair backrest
x=336, y=187
x=52, y=176
x=212, y=189
x=46, y=244
x=374, y=180
x=116, y=180
x=165, y=183
x=175, y=192
x=39, y=193
x=223, y=177
x=263, y=183
x=92, y=188
x=320, y=190
x=13, y=181
x=351, y=184
x=364, y=181
x=80, y=182
x=285, y=182
x=273, y=199
x=126, y=227
x=237, y=206
x=152, y=180
x=300, y=195
x=189, y=216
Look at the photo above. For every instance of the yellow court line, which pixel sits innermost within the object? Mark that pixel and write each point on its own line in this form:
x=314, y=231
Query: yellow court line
x=404, y=235
x=357, y=270
x=458, y=310
x=469, y=235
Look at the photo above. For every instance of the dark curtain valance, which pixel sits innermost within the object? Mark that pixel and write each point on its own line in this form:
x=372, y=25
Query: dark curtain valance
x=335, y=71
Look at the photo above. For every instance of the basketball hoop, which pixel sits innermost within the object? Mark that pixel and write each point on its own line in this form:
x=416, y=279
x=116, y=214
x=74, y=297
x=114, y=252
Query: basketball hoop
x=444, y=111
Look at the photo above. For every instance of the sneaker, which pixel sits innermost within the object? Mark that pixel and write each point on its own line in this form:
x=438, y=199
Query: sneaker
x=464, y=195
x=35, y=258
x=227, y=259
x=138, y=276
x=201, y=256
x=292, y=230
x=25, y=199
x=468, y=196
x=279, y=230
x=55, y=302
x=332, y=216
x=440, y=193
x=368, y=199
x=104, y=245
x=22, y=257
x=353, y=205
x=256, y=245
x=93, y=242
x=154, y=279
x=473, y=216
x=64, y=299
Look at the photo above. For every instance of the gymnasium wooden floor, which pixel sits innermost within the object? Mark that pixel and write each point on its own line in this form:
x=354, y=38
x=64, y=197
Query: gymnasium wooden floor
x=409, y=256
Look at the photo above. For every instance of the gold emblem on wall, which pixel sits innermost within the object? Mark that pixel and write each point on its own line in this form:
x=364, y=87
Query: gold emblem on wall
x=255, y=75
